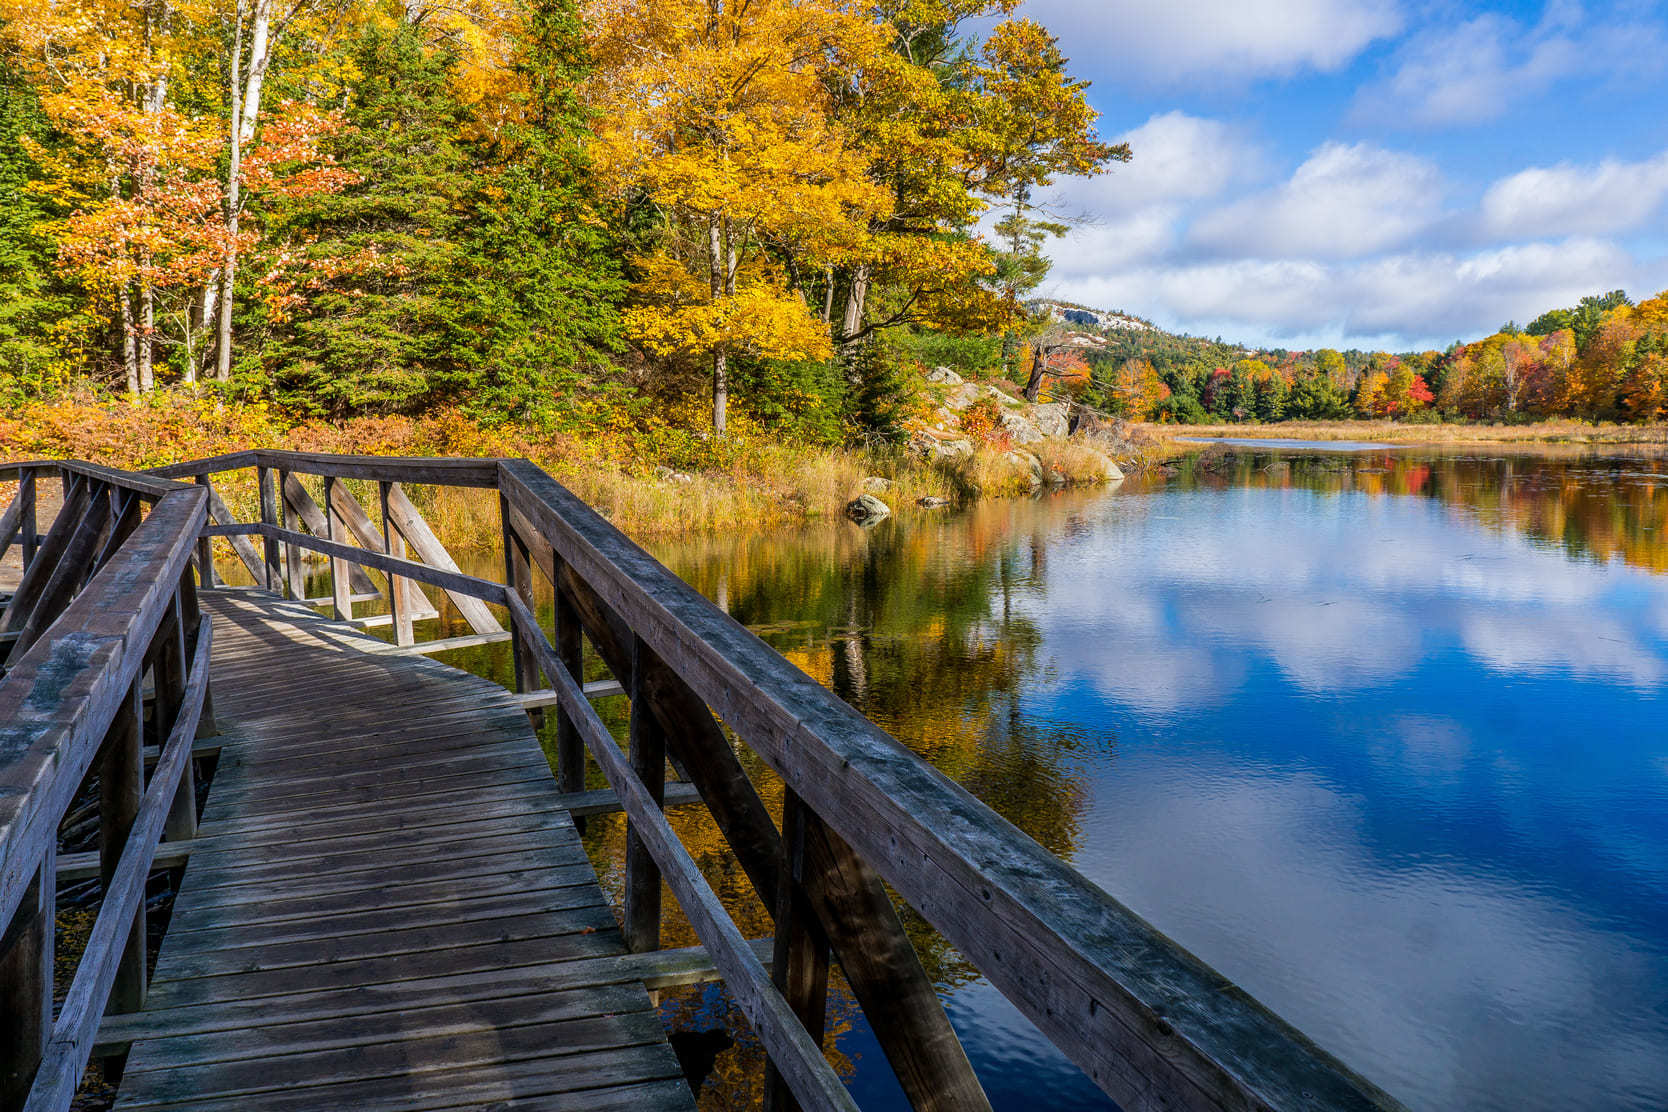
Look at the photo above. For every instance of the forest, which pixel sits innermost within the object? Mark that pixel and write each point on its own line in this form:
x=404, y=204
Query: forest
x=623, y=237
x=628, y=218
x=1604, y=359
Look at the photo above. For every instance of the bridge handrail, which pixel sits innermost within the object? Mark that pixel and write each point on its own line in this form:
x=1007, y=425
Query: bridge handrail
x=106, y=597
x=1150, y=1023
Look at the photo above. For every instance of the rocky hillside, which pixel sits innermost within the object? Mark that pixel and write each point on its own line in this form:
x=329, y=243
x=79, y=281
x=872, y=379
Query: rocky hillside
x=1006, y=441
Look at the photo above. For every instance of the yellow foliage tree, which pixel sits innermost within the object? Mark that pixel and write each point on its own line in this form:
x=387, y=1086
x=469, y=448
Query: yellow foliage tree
x=720, y=116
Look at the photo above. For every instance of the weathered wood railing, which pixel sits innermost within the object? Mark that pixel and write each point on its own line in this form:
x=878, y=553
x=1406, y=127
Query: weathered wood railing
x=105, y=606
x=1152, y=1025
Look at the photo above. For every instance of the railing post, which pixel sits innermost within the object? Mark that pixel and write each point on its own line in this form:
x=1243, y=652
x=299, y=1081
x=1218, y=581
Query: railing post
x=26, y=984
x=400, y=602
x=28, y=522
x=168, y=676
x=518, y=577
x=799, y=967
x=274, y=578
x=341, y=597
x=648, y=764
x=569, y=646
x=121, y=788
x=205, y=544
x=294, y=573
x=193, y=615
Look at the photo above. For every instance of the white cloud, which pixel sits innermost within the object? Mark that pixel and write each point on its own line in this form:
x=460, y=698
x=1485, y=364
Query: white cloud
x=1474, y=71
x=1166, y=41
x=1567, y=199
x=1133, y=213
x=1415, y=298
x=1344, y=200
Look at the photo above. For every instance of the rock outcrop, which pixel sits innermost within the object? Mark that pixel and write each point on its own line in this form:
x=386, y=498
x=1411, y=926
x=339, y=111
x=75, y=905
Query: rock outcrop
x=866, y=509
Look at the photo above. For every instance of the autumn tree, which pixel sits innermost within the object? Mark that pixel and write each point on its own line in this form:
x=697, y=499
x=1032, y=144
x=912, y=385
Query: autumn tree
x=946, y=131
x=720, y=118
x=1135, y=390
x=33, y=297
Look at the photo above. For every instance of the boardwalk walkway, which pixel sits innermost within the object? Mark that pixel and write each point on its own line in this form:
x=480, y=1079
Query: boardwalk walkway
x=387, y=906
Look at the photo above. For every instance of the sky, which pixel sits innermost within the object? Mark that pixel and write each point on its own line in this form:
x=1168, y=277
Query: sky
x=1380, y=174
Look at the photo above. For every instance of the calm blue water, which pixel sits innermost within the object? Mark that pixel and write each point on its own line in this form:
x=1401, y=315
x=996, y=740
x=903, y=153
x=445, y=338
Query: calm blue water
x=1381, y=738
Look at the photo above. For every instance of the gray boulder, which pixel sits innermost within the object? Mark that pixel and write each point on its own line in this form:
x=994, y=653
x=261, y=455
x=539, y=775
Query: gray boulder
x=944, y=375
x=866, y=509
x=1053, y=418
x=964, y=395
x=1021, y=430
x=874, y=484
x=931, y=501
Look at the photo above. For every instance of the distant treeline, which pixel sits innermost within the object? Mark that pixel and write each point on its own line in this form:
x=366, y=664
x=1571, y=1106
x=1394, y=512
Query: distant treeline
x=1605, y=359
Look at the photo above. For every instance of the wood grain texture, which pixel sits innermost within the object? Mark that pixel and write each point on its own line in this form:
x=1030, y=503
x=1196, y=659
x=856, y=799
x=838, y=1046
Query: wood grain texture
x=377, y=897
x=1151, y=1024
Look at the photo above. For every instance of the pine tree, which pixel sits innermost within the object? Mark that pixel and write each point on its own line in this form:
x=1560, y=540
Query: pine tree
x=879, y=395
x=31, y=296
x=381, y=330
x=542, y=289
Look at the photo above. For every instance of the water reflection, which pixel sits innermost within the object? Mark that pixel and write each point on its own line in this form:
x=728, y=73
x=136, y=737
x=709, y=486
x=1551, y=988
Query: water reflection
x=1379, y=736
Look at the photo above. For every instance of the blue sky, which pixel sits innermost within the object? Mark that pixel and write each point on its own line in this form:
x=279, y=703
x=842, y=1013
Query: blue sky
x=1364, y=173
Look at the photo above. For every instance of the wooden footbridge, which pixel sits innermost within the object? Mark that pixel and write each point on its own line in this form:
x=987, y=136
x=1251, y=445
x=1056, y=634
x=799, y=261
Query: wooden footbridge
x=385, y=903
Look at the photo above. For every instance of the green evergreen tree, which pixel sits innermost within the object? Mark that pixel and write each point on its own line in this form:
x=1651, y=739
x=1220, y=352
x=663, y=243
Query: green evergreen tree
x=32, y=298
x=379, y=331
x=543, y=285
x=455, y=273
x=879, y=395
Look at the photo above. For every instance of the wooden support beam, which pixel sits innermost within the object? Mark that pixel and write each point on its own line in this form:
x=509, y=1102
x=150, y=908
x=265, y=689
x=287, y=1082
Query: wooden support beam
x=205, y=547
x=273, y=580
x=242, y=545
x=340, y=606
x=404, y=599
x=63, y=578
x=603, y=801
x=846, y=895
x=11, y=522
x=26, y=945
x=295, y=575
x=121, y=788
x=428, y=548
x=444, y=644
x=297, y=498
x=77, y=496
x=518, y=577
x=73, y=867
x=799, y=965
x=596, y=689
x=641, y=912
x=169, y=674
x=30, y=530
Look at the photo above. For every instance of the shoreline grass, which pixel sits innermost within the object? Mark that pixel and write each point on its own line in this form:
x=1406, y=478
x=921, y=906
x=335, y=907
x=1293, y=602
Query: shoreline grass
x=1544, y=432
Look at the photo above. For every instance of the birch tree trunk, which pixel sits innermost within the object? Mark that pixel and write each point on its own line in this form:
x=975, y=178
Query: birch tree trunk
x=130, y=349
x=717, y=261
x=260, y=59
x=147, y=328
x=223, y=353
x=856, y=302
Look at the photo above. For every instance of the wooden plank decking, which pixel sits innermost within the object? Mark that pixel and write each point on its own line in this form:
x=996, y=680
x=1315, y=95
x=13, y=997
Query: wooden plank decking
x=387, y=906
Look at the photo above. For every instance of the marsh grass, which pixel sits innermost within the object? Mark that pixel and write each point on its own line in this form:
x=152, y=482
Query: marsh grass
x=1543, y=432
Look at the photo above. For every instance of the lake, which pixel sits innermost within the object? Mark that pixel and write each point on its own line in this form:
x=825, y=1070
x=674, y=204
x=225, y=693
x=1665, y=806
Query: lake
x=1381, y=735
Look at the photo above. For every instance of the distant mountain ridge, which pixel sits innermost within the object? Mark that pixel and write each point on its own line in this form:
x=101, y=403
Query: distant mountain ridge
x=1107, y=320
